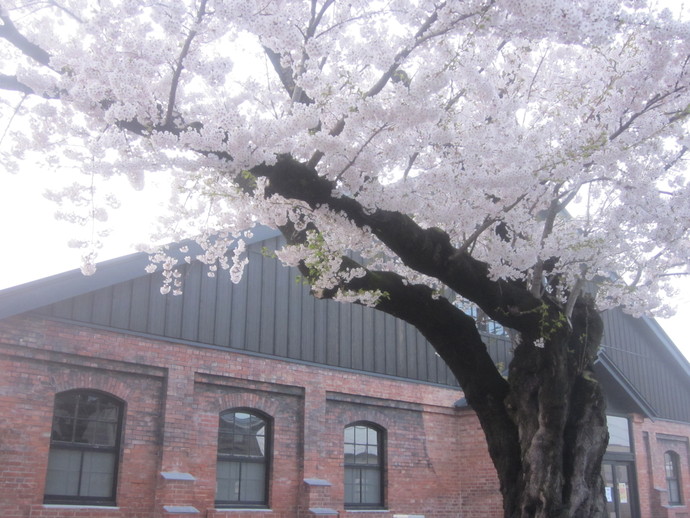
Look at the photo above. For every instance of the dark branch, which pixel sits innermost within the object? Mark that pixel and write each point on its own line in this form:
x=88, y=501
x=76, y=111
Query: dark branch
x=9, y=32
x=653, y=103
x=453, y=333
x=427, y=251
x=13, y=84
x=286, y=76
x=454, y=336
x=180, y=64
x=316, y=17
x=400, y=56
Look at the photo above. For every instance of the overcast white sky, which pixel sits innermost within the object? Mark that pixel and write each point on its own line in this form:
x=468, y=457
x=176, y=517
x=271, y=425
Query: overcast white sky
x=34, y=245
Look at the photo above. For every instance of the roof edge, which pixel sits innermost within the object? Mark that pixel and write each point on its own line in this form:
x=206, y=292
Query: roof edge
x=615, y=373
x=666, y=341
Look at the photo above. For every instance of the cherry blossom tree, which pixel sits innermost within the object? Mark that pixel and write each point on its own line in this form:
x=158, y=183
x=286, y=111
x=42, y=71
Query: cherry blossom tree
x=525, y=157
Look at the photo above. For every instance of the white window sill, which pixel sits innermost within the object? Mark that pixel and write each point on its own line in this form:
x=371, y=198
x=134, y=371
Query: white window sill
x=242, y=509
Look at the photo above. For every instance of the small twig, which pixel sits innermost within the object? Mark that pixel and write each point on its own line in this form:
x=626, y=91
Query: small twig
x=410, y=163
x=654, y=102
x=10, y=33
x=673, y=162
x=359, y=151
x=14, y=114
x=66, y=11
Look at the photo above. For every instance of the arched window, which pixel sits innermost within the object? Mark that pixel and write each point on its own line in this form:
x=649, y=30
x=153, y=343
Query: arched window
x=672, y=477
x=364, y=466
x=243, y=456
x=84, y=448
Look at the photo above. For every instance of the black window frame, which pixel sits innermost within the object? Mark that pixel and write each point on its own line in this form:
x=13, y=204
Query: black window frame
x=672, y=459
x=379, y=467
x=244, y=459
x=85, y=447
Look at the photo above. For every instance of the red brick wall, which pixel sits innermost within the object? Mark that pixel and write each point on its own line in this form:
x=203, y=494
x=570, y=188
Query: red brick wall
x=436, y=459
x=652, y=439
x=174, y=393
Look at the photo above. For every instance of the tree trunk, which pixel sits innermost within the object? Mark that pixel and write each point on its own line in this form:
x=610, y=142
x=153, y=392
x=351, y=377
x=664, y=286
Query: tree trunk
x=558, y=412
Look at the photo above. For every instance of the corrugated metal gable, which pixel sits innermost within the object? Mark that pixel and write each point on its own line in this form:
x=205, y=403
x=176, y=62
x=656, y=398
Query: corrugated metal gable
x=268, y=312
x=647, y=364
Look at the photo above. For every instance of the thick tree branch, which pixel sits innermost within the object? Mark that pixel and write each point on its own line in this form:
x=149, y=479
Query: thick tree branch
x=13, y=84
x=287, y=78
x=427, y=251
x=10, y=33
x=453, y=333
x=455, y=337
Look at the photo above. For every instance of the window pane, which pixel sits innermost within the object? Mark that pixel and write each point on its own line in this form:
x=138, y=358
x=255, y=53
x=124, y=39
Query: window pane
x=253, y=482
x=349, y=454
x=227, y=420
x=97, y=474
x=240, y=444
x=225, y=442
x=365, y=447
x=228, y=481
x=673, y=492
x=106, y=411
x=619, y=434
x=352, y=494
x=102, y=433
x=371, y=486
x=242, y=418
x=62, y=429
x=65, y=405
x=362, y=486
x=249, y=445
x=63, y=472
x=372, y=455
x=360, y=454
x=87, y=405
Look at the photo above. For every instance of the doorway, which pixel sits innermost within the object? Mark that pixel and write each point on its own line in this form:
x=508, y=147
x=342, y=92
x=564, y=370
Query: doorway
x=619, y=487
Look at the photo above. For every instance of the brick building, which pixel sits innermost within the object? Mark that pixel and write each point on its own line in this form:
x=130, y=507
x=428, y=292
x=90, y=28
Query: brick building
x=232, y=400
